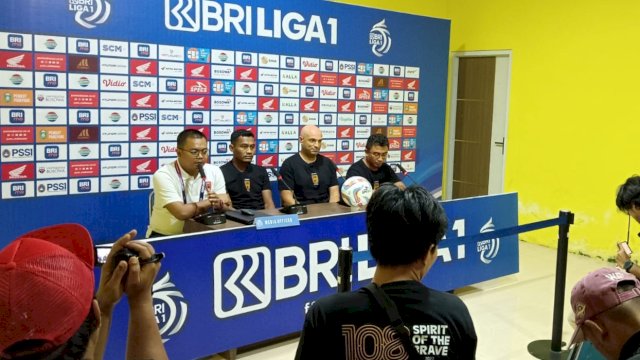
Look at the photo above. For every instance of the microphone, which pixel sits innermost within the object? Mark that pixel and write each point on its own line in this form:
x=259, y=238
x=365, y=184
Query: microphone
x=211, y=217
x=405, y=173
x=296, y=208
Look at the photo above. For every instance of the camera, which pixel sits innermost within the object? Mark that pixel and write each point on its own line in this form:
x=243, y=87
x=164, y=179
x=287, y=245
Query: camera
x=123, y=254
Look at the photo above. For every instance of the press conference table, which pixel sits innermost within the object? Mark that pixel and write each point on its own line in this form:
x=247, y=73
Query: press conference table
x=230, y=285
x=313, y=211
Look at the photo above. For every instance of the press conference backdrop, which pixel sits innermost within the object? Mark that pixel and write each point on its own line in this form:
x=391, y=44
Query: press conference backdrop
x=94, y=93
x=229, y=288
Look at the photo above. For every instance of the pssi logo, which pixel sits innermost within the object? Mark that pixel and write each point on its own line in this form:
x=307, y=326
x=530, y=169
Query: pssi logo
x=379, y=39
x=169, y=307
x=89, y=13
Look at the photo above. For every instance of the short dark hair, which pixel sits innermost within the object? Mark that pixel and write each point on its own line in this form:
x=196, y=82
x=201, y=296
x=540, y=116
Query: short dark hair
x=242, y=132
x=74, y=348
x=377, y=139
x=189, y=133
x=403, y=224
x=629, y=194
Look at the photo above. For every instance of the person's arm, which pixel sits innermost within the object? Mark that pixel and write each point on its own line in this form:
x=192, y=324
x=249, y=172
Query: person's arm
x=334, y=194
x=182, y=211
x=621, y=258
x=400, y=185
x=143, y=340
x=286, y=197
x=268, y=199
x=110, y=292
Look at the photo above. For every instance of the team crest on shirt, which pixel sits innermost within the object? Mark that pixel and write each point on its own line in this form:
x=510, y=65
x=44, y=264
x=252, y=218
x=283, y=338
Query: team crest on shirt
x=376, y=185
x=315, y=179
x=247, y=184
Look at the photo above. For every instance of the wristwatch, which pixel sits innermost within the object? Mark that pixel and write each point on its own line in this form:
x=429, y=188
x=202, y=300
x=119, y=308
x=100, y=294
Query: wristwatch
x=628, y=265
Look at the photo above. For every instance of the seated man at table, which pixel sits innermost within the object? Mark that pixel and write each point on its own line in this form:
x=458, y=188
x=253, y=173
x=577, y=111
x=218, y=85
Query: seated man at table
x=180, y=191
x=404, y=229
x=247, y=184
x=373, y=165
x=311, y=176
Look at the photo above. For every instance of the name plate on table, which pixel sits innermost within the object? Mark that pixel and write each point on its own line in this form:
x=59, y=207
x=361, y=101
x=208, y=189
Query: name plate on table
x=277, y=221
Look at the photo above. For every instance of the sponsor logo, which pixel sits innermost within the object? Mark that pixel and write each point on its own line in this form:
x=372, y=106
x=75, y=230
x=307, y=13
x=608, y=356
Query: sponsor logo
x=144, y=133
x=83, y=46
x=18, y=189
x=170, y=308
x=16, y=116
x=246, y=74
x=143, y=100
x=144, y=50
x=84, y=185
x=141, y=166
x=143, y=67
x=51, y=134
x=197, y=86
x=199, y=55
x=83, y=168
x=196, y=15
x=85, y=99
x=50, y=80
x=115, y=150
x=83, y=64
x=83, y=134
x=90, y=13
x=488, y=249
x=16, y=135
x=198, y=71
x=144, y=182
x=15, y=41
x=379, y=39
x=171, y=85
x=13, y=172
x=15, y=60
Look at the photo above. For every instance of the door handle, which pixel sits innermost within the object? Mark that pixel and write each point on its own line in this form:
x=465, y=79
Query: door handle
x=500, y=143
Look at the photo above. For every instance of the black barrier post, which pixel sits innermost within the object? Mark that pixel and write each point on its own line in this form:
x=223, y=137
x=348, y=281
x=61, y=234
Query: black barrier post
x=345, y=262
x=540, y=348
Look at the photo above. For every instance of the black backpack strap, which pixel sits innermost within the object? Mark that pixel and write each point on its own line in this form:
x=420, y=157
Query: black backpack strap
x=393, y=315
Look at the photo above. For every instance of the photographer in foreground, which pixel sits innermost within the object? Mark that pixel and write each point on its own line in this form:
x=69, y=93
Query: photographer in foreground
x=47, y=308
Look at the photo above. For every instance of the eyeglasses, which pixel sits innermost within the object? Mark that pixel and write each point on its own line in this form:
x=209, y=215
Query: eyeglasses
x=195, y=152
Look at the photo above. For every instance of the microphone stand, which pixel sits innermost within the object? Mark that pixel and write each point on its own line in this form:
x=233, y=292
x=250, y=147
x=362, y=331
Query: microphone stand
x=405, y=173
x=211, y=217
x=296, y=208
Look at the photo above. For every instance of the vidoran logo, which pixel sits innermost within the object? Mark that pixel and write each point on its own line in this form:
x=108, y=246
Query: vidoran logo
x=379, y=39
x=169, y=307
x=488, y=249
x=90, y=13
x=209, y=15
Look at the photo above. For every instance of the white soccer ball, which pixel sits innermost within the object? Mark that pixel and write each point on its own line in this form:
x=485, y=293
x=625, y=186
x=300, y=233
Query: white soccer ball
x=356, y=191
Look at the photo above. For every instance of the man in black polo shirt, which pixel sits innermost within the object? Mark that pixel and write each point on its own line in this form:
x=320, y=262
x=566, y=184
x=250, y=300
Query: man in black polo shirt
x=373, y=166
x=247, y=184
x=311, y=176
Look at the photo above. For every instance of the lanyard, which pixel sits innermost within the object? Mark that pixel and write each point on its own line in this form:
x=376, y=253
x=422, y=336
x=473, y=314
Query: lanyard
x=184, y=194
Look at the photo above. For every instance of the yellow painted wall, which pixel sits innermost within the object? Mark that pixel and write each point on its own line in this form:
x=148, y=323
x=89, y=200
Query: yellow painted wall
x=573, y=110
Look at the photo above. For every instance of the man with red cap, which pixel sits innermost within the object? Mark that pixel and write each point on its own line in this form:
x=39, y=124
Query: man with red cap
x=47, y=305
x=606, y=305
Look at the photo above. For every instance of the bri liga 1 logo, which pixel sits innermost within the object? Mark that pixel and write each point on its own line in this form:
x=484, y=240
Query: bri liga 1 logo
x=379, y=39
x=89, y=13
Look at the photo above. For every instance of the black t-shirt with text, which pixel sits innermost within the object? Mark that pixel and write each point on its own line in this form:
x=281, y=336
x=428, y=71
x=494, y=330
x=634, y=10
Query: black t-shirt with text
x=309, y=182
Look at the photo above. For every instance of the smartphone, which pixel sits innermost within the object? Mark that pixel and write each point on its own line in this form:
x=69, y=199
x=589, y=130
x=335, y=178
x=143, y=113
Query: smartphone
x=102, y=251
x=625, y=246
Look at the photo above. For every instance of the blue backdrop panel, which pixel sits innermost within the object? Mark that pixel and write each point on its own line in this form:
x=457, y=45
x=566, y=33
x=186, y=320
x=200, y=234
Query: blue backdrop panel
x=313, y=29
x=224, y=289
